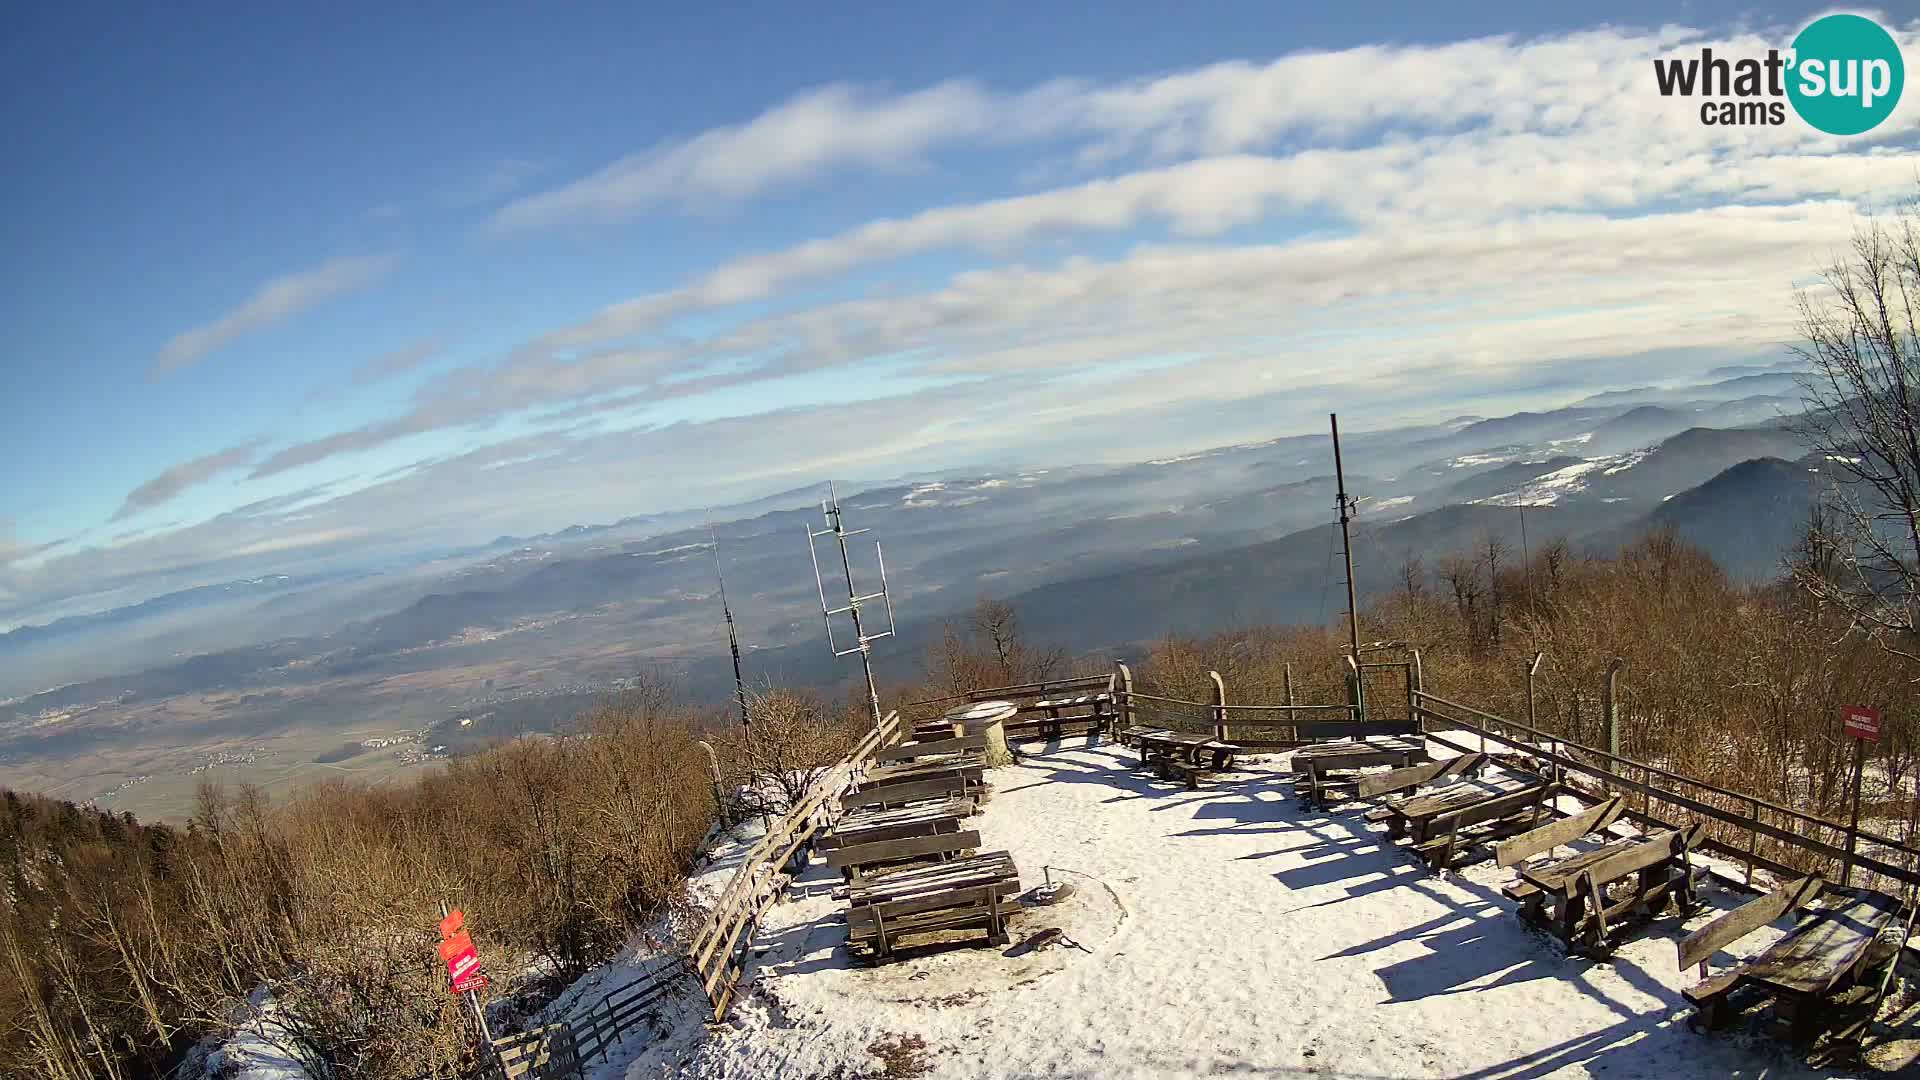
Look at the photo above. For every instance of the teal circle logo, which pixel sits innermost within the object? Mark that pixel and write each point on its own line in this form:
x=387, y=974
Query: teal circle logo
x=1847, y=74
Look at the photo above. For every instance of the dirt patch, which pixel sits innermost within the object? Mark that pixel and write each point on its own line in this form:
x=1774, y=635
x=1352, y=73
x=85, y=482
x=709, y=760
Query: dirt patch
x=902, y=1056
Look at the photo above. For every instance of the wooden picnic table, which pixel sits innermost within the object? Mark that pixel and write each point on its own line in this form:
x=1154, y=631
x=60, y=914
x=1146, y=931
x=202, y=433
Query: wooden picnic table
x=1056, y=713
x=1409, y=815
x=1185, y=753
x=1459, y=817
x=975, y=892
x=1340, y=754
x=875, y=824
x=1827, y=951
x=1585, y=914
x=1328, y=767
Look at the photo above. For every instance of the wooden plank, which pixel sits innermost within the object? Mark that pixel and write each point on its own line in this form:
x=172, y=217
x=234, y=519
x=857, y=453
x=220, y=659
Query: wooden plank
x=1827, y=945
x=1406, y=779
x=1343, y=729
x=1560, y=833
x=935, y=748
x=1748, y=917
x=895, y=850
x=970, y=774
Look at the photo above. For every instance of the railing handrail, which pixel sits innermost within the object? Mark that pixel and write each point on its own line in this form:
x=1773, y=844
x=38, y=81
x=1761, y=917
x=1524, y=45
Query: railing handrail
x=1800, y=815
x=1567, y=761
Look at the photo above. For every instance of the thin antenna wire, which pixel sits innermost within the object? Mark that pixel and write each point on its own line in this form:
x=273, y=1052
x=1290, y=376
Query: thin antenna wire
x=733, y=637
x=862, y=641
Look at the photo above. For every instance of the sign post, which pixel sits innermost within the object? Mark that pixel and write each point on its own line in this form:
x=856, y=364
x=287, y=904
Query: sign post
x=1863, y=724
x=463, y=963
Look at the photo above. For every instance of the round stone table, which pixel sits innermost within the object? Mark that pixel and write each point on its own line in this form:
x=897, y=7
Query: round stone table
x=987, y=718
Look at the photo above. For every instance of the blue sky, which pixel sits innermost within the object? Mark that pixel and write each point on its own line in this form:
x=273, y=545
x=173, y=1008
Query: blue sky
x=289, y=285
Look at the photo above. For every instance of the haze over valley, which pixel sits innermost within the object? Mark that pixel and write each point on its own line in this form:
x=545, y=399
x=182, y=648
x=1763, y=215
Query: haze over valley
x=377, y=670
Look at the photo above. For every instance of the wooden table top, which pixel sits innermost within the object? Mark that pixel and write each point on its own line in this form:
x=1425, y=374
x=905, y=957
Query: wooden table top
x=1457, y=796
x=1829, y=941
x=870, y=818
x=1358, y=746
x=1553, y=876
x=954, y=874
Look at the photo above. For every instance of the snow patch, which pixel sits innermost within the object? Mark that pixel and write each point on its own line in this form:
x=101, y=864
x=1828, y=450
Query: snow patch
x=1197, y=919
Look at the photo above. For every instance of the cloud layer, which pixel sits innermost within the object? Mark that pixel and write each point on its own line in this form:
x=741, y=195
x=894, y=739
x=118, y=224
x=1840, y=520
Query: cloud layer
x=1172, y=248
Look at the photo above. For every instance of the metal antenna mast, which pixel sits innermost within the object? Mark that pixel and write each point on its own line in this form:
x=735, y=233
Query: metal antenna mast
x=1346, y=539
x=862, y=641
x=1346, y=545
x=733, y=638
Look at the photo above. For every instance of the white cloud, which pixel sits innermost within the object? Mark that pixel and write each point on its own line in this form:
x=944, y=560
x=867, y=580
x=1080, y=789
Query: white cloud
x=817, y=131
x=399, y=361
x=172, y=481
x=273, y=302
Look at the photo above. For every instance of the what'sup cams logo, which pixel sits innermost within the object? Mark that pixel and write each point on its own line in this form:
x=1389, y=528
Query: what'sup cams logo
x=1843, y=75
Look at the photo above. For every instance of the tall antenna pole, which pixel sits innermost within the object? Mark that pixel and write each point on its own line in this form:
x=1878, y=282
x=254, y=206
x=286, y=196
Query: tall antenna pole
x=862, y=641
x=1346, y=539
x=733, y=638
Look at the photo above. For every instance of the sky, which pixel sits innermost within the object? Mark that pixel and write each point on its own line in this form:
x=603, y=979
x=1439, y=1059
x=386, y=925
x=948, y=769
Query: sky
x=291, y=287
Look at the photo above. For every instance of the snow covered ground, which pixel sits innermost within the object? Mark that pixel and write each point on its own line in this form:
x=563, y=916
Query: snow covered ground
x=1228, y=931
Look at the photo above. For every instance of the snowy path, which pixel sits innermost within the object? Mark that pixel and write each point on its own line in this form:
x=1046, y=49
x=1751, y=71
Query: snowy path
x=1259, y=938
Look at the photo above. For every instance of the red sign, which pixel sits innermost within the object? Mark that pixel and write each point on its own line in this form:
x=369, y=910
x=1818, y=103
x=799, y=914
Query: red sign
x=463, y=960
x=1861, y=722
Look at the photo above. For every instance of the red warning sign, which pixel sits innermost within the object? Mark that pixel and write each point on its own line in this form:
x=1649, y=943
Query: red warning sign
x=1861, y=722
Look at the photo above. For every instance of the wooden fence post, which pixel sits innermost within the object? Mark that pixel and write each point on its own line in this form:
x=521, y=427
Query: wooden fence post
x=1416, y=685
x=1753, y=838
x=1293, y=721
x=1122, y=696
x=1219, y=706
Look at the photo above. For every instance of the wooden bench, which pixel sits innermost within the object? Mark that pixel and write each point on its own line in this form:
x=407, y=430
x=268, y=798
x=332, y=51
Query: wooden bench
x=856, y=862
x=974, y=893
x=1586, y=914
x=943, y=787
x=974, y=745
x=1132, y=736
x=1836, y=943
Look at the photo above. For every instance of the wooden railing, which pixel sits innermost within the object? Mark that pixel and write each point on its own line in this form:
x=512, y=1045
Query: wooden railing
x=622, y=1006
x=1797, y=842
x=1287, y=724
x=717, y=951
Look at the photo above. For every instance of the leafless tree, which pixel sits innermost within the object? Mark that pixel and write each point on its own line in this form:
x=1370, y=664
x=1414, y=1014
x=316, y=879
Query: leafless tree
x=1493, y=550
x=1860, y=332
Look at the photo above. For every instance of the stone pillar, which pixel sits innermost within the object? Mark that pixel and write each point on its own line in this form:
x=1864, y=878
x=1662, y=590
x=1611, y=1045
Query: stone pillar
x=987, y=718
